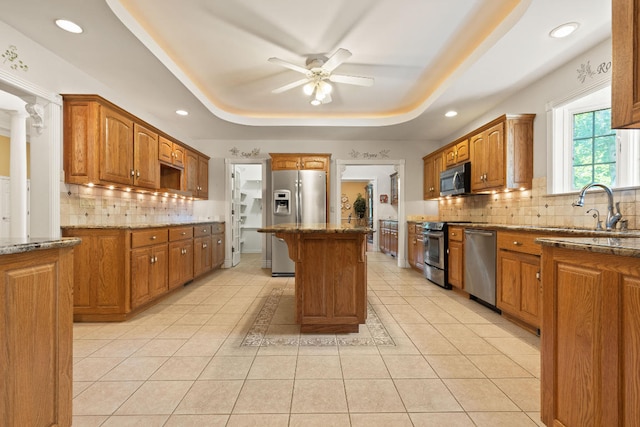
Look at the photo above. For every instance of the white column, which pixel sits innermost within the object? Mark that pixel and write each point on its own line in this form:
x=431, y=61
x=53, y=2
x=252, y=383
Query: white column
x=18, y=172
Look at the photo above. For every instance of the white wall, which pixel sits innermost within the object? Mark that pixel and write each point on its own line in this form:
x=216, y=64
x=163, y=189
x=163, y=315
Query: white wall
x=533, y=99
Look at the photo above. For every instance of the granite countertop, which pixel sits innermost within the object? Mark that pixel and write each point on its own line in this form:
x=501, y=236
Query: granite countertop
x=314, y=228
x=138, y=226
x=623, y=246
x=17, y=246
x=551, y=230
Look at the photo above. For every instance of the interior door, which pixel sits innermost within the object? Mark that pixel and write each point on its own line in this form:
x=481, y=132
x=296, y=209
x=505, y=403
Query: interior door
x=236, y=223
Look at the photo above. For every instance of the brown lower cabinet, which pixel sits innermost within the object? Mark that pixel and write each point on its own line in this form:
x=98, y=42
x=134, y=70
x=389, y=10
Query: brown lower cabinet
x=591, y=339
x=36, y=334
x=415, y=245
x=455, y=272
x=388, y=237
x=119, y=272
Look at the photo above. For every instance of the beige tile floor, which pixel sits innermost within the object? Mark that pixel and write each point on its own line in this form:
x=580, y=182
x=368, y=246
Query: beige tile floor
x=181, y=363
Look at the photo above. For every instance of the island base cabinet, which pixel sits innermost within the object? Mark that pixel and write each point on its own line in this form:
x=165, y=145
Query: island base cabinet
x=590, y=339
x=36, y=324
x=331, y=282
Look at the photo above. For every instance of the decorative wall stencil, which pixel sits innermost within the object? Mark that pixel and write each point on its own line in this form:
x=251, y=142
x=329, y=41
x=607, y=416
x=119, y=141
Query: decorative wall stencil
x=382, y=154
x=11, y=55
x=585, y=71
x=253, y=153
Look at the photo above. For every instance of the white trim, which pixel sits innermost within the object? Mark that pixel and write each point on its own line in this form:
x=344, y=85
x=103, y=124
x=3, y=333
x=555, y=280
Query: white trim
x=228, y=205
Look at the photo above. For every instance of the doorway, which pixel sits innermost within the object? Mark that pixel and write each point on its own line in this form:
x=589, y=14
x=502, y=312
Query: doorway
x=245, y=191
x=377, y=173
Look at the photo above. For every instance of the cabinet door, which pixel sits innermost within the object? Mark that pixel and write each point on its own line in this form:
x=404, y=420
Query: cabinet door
x=190, y=175
x=427, y=181
x=203, y=177
x=158, y=283
x=141, y=263
x=456, y=251
x=202, y=255
x=450, y=156
x=494, y=156
x=145, y=151
x=411, y=249
x=462, y=151
x=36, y=324
x=165, y=150
x=218, y=249
x=437, y=168
x=179, y=254
x=178, y=155
x=116, y=148
x=285, y=162
x=530, y=290
x=478, y=164
x=625, y=78
x=508, y=283
x=314, y=162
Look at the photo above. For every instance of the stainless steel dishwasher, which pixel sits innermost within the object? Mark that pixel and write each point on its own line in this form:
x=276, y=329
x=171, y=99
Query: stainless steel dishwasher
x=480, y=264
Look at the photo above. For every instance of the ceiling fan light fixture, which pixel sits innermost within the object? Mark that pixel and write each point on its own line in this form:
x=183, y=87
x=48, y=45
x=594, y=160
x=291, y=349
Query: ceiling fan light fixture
x=308, y=88
x=315, y=102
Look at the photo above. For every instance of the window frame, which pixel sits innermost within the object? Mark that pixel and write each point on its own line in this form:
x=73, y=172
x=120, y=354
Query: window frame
x=560, y=141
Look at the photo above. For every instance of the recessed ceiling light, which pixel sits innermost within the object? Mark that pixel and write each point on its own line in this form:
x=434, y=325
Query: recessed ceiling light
x=70, y=26
x=182, y=112
x=451, y=113
x=564, y=30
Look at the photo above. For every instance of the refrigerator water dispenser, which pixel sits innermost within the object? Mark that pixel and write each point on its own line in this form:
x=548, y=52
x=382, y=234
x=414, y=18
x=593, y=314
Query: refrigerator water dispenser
x=282, y=202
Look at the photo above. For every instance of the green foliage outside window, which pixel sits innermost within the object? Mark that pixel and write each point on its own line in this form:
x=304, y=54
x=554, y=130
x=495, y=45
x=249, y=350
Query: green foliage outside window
x=594, y=148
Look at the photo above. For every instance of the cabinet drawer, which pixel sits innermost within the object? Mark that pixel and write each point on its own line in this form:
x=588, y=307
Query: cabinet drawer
x=148, y=237
x=456, y=234
x=202, y=230
x=180, y=233
x=519, y=242
x=217, y=228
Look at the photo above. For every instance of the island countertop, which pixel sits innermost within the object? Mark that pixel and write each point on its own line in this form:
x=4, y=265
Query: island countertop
x=625, y=246
x=314, y=228
x=17, y=246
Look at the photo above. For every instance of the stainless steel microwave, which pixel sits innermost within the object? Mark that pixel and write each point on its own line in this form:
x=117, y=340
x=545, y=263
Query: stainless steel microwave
x=456, y=180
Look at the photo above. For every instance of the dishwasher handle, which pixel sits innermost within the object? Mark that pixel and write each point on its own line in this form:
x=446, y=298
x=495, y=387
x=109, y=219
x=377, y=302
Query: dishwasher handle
x=479, y=233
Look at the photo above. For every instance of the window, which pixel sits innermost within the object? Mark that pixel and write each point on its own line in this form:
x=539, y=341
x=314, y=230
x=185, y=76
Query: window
x=584, y=148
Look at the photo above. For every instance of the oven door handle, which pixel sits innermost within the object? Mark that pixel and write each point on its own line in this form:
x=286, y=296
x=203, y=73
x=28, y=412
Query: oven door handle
x=433, y=234
x=478, y=233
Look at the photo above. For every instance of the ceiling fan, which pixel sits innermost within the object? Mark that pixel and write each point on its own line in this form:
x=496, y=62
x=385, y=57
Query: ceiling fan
x=318, y=70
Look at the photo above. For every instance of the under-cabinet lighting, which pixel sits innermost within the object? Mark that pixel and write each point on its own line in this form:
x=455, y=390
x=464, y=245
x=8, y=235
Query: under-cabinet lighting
x=90, y=184
x=69, y=26
x=128, y=190
x=111, y=187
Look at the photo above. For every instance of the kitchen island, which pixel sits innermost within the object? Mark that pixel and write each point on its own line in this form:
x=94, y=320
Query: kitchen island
x=36, y=326
x=330, y=274
x=591, y=337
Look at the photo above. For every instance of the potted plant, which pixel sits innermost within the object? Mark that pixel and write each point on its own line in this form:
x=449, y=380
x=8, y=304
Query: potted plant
x=360, y=207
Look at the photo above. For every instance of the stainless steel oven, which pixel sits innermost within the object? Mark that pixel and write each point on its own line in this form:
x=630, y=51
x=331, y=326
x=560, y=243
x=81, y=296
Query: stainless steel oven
x=435, y=253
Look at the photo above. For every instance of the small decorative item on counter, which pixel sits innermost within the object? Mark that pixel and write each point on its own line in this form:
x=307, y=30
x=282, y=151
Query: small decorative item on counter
x=384, y=198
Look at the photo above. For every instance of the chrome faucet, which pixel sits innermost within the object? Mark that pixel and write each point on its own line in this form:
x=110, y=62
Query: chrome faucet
x=612, y=219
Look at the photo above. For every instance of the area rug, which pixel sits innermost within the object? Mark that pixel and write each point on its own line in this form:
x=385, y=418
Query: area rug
x=257, y=335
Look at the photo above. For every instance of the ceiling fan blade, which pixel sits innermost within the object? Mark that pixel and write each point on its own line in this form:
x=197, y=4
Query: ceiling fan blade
x=336, y=59
x=352, y=80
x=289, y=65
x=290, y=86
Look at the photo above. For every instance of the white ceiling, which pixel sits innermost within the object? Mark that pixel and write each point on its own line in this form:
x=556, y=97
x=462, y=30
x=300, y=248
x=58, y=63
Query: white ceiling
x=210, y=57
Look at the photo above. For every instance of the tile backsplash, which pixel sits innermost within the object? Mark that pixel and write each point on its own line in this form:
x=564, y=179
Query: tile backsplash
x=82, y=205
x=536, y=207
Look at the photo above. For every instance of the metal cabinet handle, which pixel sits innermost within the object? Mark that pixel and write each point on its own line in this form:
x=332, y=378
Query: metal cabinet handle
x=453, y=234
x=219, y=241
x=137, y=174
x=153, y=237
x=133, y=173
x=204, y=245
x=204, y=230
x=184, y=233
x=515, y=242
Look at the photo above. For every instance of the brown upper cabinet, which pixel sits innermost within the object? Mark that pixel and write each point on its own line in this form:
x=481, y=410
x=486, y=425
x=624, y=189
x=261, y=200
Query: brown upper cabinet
x=196, y=174
x=170, y=152
x=105, y=145
x=298, y=161
x=502, y=154
x=456, y=153
x=433, y=164
x=625, y=61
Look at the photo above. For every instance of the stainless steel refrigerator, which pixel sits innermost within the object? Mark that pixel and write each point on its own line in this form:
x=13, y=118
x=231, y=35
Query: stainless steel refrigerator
x=299, y=197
